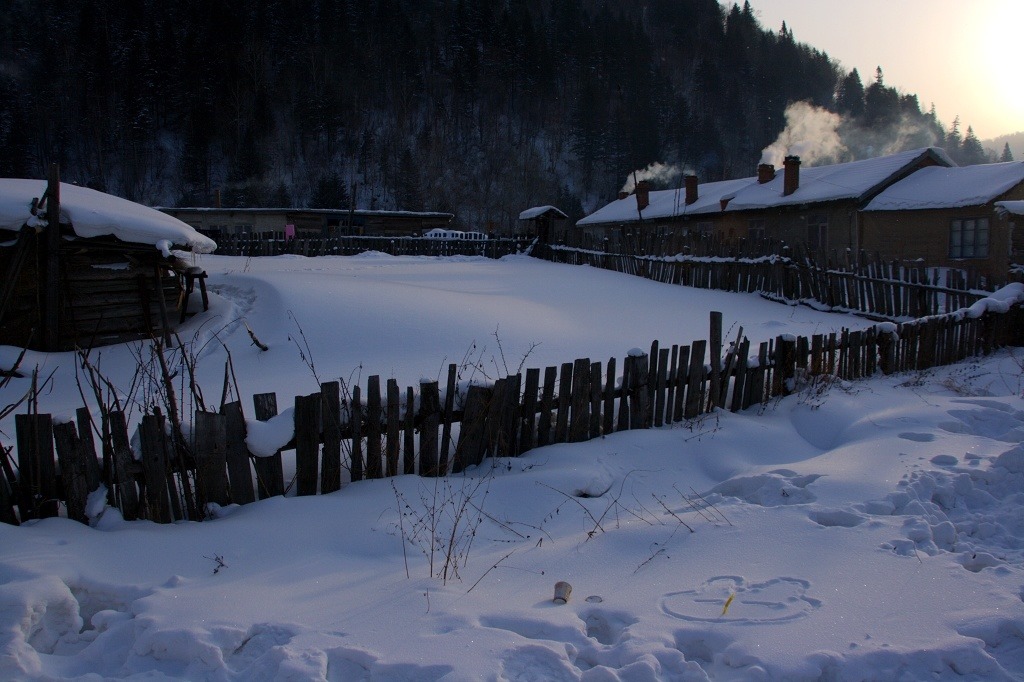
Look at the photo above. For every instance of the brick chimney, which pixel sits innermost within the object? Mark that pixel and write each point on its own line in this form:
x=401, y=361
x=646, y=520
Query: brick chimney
x=643, y=195
x=765, y=173
x=791, y=181
x=690, y=183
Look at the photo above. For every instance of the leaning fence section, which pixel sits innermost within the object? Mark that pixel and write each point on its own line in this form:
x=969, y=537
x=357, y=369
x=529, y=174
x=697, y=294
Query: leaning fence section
x=347, y=433
x=868, y=286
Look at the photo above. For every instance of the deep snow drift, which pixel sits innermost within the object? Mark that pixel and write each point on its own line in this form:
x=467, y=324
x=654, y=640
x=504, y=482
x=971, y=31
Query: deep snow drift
x=869, y=530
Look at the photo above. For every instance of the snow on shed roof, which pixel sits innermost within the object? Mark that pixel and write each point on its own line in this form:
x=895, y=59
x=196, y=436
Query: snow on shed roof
x=852, y=180
x=538, y=211
x=95, y=214
x=667, y=203
x=936, y=187
x=1010, y=207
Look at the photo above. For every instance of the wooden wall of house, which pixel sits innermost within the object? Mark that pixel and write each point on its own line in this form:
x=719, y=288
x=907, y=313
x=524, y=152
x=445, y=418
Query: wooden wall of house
x=911, y=235
x=110, y=292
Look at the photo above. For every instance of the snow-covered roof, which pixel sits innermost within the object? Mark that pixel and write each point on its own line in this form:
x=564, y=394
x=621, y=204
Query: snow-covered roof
x=853, y=180
x=668, y=203
x=95, y=214
x=537, y=211
x=936, y=187
x=1010, y=207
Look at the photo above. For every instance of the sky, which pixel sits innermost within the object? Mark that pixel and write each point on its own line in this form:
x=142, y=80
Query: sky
x=965, y=57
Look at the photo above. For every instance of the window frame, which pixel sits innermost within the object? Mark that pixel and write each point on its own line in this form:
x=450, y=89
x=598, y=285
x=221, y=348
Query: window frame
x=969, y=238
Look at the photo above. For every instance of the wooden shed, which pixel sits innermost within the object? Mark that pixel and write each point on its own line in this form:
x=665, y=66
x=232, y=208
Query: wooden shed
x=79, y=268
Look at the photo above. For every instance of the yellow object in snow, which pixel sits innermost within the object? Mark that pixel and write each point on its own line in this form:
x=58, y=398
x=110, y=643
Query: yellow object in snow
x=728, y=601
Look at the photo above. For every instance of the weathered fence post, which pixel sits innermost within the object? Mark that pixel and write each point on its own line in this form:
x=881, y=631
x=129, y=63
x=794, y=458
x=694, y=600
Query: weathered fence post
x=470, y=448
x=373, y=408
x=392, y=444
x=211, y=444
x=579, y=425
x=430, y=416
x=330, y=430
x=239, y=471
x=307, y=443
x=355, y=421
x=639, y=397
x=153, y=439
x=715, y=360
x=72, y=470
x=37, y=470
x=121, y=455
x=269, y=470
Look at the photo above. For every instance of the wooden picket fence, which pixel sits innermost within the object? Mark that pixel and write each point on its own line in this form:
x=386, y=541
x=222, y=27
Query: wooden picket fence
x=342, y=433
x=275, y=244
x=865, y=286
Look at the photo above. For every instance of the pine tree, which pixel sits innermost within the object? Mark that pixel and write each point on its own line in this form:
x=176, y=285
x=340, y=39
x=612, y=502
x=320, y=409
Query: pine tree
x=1007, y=154
x=971, y=151
x=850, y=98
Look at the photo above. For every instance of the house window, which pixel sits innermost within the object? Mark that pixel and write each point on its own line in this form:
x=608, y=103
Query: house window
x=755, y=228
x=705, y=227
x=968, y=238
x=817, y=231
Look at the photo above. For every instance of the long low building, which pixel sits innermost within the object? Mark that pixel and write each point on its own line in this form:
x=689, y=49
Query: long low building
x=310, y=222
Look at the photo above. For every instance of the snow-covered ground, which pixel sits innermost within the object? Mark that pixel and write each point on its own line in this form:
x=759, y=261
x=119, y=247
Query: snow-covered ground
x=854, y=531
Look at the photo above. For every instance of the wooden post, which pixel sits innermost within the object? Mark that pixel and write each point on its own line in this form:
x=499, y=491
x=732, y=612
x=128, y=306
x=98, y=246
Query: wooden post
x=448, y=416
x=269, y=470
x=409, y=452
x=330, y=429
x=681, y=380
x=579, y=425
x=596, y=395
x=564, y=398
x=51, y=295
x=121, y=457
x=639, y=396
x=373, y=409
x=355, y=423
x=430, y=415
x=715, y=360
x=211, y=458
x=392, y=445
x=660, y=384
x=547, y=402
x=307, y=443
x=527, y=434
x=695, y=377
x=608, y=425
x=72, y=470
x=153, y=440
x=237, y=454
x=470, y=448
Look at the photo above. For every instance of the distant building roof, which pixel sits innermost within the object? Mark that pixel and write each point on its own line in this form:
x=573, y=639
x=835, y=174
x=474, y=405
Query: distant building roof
x=936, y=187
x=362, y=212
x=668, y=203
x=95, y=214
x=856, y=180
x=537, y=211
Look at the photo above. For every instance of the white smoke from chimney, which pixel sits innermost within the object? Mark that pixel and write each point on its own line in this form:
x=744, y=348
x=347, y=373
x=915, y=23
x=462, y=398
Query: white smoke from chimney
x=657, y=172
x=812, y=133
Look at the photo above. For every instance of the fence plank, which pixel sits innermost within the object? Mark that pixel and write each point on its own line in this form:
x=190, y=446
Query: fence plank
x=547, y=403
x=155, y=449
x=37, y=470
x=307, y=443
x=392, y=445
x=355, y=422
x=122, y=461
x=695, y=377
x=579, y=425
x=72, y=470
x=448, y=416
x=330, y=434
x=639, y=391
x=527, y=433
x=239, y=472
x=470, y=449
x=409, y=451
x=430, y=416
x=373, y=447
x=608, y=425
x=564, y=398
x=269, y=470
x=210, y=450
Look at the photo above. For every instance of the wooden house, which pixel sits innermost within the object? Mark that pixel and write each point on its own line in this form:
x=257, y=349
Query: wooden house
x=1012, y=212
x=948, y=217
x=693, y=208
x=310, y=222
x=79, y=268
x=818, y=206
x=546, y=223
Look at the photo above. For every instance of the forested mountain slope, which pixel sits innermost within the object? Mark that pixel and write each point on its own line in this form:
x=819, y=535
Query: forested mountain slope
x=479, y=107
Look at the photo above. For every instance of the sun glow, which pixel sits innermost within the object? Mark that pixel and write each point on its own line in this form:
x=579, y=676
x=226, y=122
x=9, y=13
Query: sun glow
x=999, y=63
